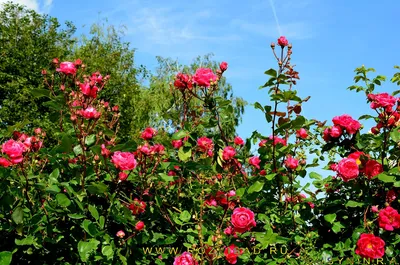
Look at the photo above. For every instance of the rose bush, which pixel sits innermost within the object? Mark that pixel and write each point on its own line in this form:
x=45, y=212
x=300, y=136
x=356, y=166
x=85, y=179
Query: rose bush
x=184, y=197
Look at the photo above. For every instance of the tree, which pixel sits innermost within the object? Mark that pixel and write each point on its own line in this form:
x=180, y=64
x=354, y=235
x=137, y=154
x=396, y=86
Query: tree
x=28, y=42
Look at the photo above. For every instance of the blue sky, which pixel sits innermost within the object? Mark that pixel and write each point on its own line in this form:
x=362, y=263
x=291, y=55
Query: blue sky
x=330, y=39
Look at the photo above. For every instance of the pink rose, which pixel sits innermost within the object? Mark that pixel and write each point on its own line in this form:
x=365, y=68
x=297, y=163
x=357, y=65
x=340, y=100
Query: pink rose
x=38, y=131
x=238, y=141
x=372, y=168
x=228, y=153
x=348, y=123
x=348, y=169
x=282, y=41
x=139, y=226
x=278, y=140
x=183, y=81
x=104, y=151
x=157, y=149
x=88, y=90
x=335, y=131
x=124, y=160
x=204, y=76
x=231, y=193
x=4, y=162
x=255, y=161
x=223, y=66
x=327, y=135
x=14, y=150
x=144, y=149
x=185, y=259
x=148, y=133
x=302, y=133
x=389, y=219
x=382, y=100
x=122, y=176
x=89, y=113
x=177, y=144
x=291, y=163
x=120, y=234
x=67, y=68
x=375, y=209
x=242, y=219
x=262, y=143
x=228, y=231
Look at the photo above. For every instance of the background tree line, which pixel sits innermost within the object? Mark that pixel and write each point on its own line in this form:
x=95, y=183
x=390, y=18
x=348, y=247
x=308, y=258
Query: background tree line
x=30, y=41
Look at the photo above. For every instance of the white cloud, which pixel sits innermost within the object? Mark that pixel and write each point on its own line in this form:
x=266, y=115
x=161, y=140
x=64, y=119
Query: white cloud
x=43, y=6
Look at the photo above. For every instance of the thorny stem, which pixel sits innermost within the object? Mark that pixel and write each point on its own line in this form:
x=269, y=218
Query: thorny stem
x=274, y=168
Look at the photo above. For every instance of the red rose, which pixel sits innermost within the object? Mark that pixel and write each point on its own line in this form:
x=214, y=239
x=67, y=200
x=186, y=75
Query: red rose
x=302, y=133
x=124, y=160
x=67, y=68
x=137, y=207
x=14, y=150
x=291, y=163
x=205, y=144
x=238, y=141
x=183, y=81
x=389, y=219
x=347, y=122
x=223, y=66
x=204, y=76
x=242, y=219
x=255, y=161
x=370, y=246
x=348, y=169
x=372, y=168
x=228, y=153
x=231, y=254
x=148, y=133
x=139, y=226
x=185, y=259
x=262, y=143
x=282, y=41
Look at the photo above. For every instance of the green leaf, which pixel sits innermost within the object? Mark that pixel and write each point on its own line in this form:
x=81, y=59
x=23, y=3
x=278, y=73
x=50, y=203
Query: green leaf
x=185, y=216
x=5, y=258
x=38, y=92
x=179, y=135
x=166, y=178
x=395, y=135
x=53, y=189
x=94, y=212
x=102, y=221
x=66, y=144
x=91, y=139
x=30, y=240
x=53, y=105
x=256, y=187
x=90, y=228
x=272, y=72
x=18, y=215
x=63, y=200
x=386, y=178
x=85, y=249
x=337, y=226
x=78, y=150
x=184, y=156
x=354, y=204
x=54, y=175
x=298, y=122
x=97, y=188
x=108, y=252
x=258, y=106
x=330, y=218
x=315, y=175
x=76, y=216
x=240, y=192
